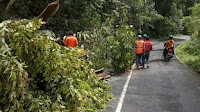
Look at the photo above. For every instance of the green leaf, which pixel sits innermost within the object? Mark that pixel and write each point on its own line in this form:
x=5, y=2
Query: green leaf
x=11, y=2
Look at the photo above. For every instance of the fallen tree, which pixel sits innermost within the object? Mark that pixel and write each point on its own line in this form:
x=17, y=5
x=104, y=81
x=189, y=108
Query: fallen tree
x=36, y=74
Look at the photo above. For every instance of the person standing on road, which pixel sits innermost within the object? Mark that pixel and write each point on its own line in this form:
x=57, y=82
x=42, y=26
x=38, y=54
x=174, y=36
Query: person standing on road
x=144, y=39
x=148, y=48
x=71, y=41
x=140, y=48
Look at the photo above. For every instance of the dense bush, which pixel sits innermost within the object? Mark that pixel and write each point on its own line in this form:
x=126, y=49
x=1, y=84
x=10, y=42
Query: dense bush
x=190, y=54
x=112, y=44
x=189, y=51
x=39, y=75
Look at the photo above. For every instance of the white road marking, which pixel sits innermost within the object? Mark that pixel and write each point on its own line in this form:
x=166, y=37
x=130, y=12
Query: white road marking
x=121, y=100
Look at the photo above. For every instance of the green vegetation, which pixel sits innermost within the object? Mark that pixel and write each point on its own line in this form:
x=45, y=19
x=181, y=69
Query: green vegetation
x=36, y=74
x=154, y=17
x=39, y=75
x=189, y=52
x=111, y=46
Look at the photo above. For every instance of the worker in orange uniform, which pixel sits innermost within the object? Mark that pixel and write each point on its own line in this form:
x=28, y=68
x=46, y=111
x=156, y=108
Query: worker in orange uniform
x=140, y=50
x=71, y=41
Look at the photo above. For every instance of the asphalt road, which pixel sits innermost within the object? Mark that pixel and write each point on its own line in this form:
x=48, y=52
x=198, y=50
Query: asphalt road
x=164, y=87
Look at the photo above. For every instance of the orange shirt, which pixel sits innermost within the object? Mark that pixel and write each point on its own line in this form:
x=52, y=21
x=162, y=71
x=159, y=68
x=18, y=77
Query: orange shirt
x=71, y=41
x=170, y=44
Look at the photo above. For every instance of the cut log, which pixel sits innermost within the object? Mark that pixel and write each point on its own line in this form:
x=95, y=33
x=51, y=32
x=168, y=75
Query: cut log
x=99, y=71
x=49, y=11
x=101, y=74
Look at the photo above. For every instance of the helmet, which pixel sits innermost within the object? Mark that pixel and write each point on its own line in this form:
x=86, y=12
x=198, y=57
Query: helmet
x=139, y=36
x=170, y=37
x=145, y=35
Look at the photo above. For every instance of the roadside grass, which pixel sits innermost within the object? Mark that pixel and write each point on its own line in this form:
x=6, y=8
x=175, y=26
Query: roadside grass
x=189, y=53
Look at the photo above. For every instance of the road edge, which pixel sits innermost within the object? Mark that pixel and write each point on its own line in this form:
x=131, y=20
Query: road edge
x=179, y=59
x=121, y=99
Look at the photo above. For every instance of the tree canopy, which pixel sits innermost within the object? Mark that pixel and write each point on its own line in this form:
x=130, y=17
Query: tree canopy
x=155, y=17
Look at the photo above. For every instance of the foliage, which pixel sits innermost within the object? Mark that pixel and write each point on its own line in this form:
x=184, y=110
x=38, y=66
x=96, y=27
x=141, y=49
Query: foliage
x=186, y=24
x=10, y=4
x=189, y=53
x=141, y=15
x=85, y=15
x=172, y=13
x=75, y=16
x=122, y=51
x=112, y=44
x=153, y=17
x=192, y=22
x=39, y=75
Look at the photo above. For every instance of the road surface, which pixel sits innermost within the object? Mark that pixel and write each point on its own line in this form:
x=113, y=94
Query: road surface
x=164, y=87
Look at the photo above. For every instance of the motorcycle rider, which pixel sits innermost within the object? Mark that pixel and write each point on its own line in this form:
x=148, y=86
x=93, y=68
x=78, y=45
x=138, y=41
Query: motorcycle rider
x=169, y=44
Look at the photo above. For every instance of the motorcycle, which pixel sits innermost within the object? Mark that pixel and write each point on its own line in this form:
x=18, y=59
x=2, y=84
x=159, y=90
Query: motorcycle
x=169, y=54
